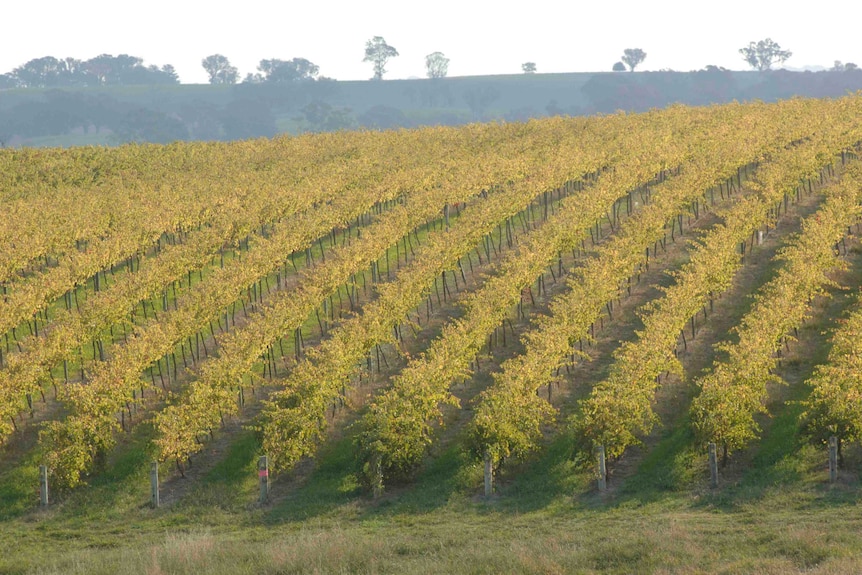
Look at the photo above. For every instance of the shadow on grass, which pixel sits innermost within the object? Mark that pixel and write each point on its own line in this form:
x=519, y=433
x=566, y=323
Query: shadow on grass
x=334, y=485
x=549, y=478
x=119, y=483
x=115, y=483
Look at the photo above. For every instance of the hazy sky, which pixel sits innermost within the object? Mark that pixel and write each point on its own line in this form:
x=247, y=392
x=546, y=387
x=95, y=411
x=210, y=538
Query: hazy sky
x=479, y=37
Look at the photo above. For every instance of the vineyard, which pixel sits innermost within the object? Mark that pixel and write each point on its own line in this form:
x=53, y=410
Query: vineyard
x=368, y=327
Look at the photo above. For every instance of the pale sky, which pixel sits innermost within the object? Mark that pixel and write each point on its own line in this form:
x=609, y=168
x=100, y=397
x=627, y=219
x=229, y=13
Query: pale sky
x=479, y=37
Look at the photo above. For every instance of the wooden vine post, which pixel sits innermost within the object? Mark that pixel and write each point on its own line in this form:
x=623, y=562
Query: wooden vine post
x=603, y=469
x=263, y=475
x=489, y=475
x=833, y=459
x=43, y=485
x=713, y=466
x=154, y=485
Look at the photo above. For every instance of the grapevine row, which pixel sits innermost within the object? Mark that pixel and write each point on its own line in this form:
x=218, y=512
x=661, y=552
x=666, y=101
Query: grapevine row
x=96, y=403
x=734, y=390
x=619, y=409
x=509, y=415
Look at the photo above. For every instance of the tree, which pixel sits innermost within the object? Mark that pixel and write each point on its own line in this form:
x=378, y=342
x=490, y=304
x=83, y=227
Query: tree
x=478, y=99
x=839, y=67
x=40, y=72
x=436, y=65
x=619, y=67
x=219, y=70
x=761, y=55
x=632, y=57
x=296, y=70
x=529, y=67
x=8, y=81
x=322, y=117
x=126, y=70
x=170, y=74
x=378, y=52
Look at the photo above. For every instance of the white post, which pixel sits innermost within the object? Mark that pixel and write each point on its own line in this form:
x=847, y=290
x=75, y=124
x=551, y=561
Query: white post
x=603, y=469
x=489, y=475
x=263, y=475
x=43, y=485
x=833, y=459
x=713, y=466
x=154, y=484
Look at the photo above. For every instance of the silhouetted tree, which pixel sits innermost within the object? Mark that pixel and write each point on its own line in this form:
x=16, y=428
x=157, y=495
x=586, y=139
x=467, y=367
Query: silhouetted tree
x=219, y=70
x=619, y=67
x=478, y=99
x=8, y=81
x=632, y=57
x=124, y=69
x=170, y=73
x=322, y=117
x=40, y=72
x=761, y=55
x=528, y=67
x=378, y=52
x=382, y=117
x=436, y=65
x=295, y=70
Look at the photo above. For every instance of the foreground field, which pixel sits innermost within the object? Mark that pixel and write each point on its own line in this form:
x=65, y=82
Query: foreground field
x=432, y=336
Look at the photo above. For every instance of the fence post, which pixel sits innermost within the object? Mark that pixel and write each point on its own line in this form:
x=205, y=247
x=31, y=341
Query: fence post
x=154, y=484
x=489, y=475
x=603, y=469
x=833, y=459
x=713, y=466
x=263, y=474
x=43, y=485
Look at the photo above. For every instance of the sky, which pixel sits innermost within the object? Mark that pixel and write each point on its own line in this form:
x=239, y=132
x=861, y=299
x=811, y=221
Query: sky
x=478, y=37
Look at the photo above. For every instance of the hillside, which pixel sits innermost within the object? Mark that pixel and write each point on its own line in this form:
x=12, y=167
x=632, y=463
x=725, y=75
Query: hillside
x=164, y=113
x=431, y=335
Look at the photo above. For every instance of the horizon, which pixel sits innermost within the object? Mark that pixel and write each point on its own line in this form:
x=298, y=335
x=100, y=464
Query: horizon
x=480, y=39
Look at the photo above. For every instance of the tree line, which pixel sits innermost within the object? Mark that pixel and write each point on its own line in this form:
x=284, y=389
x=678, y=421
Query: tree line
x=105, y=69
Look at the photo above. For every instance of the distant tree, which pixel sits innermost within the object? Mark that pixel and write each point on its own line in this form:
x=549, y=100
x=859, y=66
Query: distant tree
x=252, y=78
x=74, y=73
x=839, y=67
x=632, y=57
x=170, y=73
x=296, y=70
x=219, y=70
x=528, y=67
x=383, y=117
x=8, y=81
x=478, y=99
x=322, y=117
x=101, y=68
x=436, y=65
x=126, y=70
x=43, y=72
x=619, y=67
x=378, y=52
x=145, y=125
x=761, y=55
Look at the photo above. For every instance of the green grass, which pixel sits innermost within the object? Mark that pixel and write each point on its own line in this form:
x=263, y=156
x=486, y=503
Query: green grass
x=780, y=516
